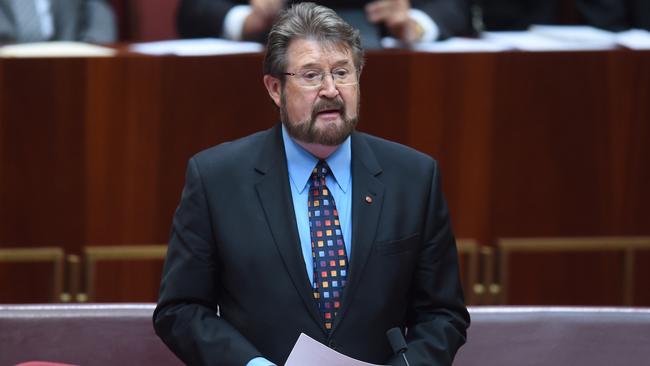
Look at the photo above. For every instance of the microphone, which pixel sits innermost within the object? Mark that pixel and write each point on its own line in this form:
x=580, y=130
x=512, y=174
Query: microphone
x=397, y=342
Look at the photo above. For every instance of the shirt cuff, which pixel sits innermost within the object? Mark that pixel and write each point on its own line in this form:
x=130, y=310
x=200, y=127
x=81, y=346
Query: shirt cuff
x=233, y=23
x=260, y=361
x=430, y=29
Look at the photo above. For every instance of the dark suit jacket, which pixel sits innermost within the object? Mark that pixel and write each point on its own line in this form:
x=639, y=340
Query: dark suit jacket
x=74, y=20
x=204, y=18
x=614, y=15
x=641, y=14
x=235, y=246
x=624, y=14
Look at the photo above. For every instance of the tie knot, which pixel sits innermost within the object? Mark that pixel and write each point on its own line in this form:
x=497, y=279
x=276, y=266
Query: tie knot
x=320, y=170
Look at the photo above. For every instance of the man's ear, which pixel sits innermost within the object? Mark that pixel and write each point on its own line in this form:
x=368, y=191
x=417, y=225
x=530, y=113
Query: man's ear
x=274, y=87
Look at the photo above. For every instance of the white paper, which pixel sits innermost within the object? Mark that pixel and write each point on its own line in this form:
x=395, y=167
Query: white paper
x=635, y=39
x=308, y=351
x=197, y=47
x=56, y=49
x=529, y=41
x=455, y=45
x=524, y=40
x=579, y=35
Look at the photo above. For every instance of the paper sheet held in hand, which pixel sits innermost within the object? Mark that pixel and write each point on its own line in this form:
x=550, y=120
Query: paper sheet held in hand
x=308, y=351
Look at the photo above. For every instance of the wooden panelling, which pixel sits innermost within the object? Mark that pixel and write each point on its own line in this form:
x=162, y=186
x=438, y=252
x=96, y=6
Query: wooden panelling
x=530, y=144
x=18, y=265
x=42, y=122
x=105, y=265
x=566, y=270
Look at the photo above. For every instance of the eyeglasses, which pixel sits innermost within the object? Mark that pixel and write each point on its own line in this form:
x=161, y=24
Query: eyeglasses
x=314, y=79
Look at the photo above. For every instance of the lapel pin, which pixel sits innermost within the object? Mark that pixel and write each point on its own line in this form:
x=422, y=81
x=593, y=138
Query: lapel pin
x=368, y=199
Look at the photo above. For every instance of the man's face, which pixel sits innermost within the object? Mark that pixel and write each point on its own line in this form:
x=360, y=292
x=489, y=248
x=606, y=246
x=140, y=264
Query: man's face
x=324, y=114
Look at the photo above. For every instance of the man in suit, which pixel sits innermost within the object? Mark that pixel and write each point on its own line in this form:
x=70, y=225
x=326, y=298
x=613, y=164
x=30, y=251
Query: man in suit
x=408, y=20
x=311, y=227
x=61, y=20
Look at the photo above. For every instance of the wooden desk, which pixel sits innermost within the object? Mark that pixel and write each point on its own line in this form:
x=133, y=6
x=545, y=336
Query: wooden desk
x=531, y=144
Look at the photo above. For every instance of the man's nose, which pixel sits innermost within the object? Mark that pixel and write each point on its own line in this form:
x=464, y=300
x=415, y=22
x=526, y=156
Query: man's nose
x=328, y=88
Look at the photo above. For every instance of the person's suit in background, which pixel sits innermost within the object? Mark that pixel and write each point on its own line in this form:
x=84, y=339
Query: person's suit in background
x=517, y=14
x=73, y=20
x=235, y=246
x=639, y=14
x=204, y=18
x=614, y=15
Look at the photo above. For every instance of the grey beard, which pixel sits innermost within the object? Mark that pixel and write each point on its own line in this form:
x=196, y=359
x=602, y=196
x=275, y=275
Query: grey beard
x=307, y=132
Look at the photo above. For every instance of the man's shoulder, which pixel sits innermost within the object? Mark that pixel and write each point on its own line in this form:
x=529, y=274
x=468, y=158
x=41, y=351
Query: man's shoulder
x=399, y=165
x=386, y=150
x=241, y=153
x=243, y=147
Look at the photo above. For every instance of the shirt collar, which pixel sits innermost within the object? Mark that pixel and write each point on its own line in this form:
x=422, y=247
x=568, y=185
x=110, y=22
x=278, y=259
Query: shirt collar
x=301, y=163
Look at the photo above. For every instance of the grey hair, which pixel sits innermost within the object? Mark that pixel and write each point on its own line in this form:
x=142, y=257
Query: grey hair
x=309, y=21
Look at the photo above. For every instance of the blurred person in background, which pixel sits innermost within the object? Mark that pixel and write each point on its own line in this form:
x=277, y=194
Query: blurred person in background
x=612, y=15
x=638, y=12
x=406, y=20
x=24, y=21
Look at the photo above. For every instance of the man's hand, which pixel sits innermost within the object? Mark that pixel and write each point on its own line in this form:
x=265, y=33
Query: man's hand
x=395, y=15
x=261, y=18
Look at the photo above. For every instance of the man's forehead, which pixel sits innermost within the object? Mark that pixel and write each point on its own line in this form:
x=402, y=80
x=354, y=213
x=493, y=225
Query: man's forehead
x=309, y=52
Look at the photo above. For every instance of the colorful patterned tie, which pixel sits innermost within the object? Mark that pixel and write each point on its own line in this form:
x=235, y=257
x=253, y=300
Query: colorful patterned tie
x=328, y=248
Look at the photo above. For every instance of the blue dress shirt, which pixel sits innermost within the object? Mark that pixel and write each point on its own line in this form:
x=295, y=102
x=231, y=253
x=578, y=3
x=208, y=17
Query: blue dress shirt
x=300, y=164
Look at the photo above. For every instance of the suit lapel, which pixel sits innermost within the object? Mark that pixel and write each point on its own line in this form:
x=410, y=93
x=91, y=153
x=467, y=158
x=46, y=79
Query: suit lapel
x=275, y=197
x=367, y=200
